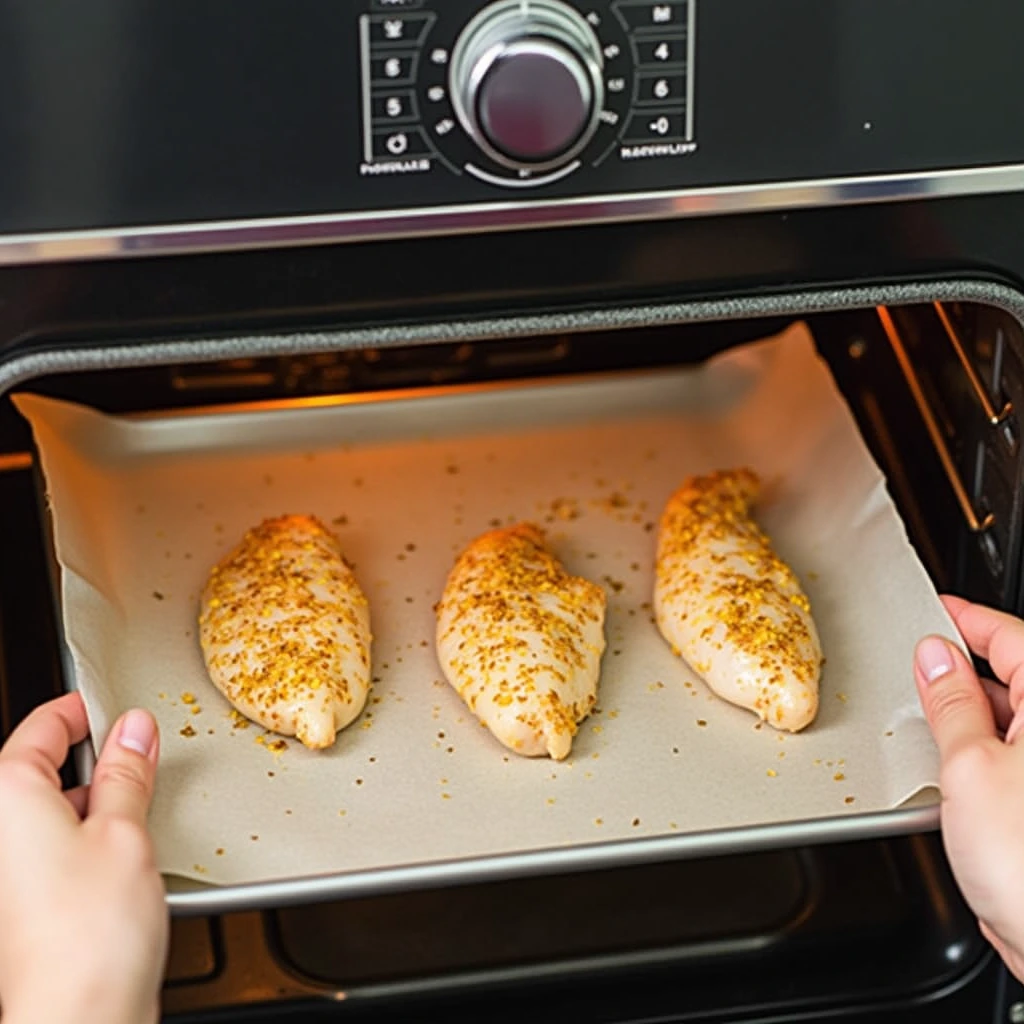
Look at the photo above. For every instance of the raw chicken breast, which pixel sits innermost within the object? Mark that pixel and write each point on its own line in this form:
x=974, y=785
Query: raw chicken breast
x=521, y=640
x=725, y=601
x=285, y=631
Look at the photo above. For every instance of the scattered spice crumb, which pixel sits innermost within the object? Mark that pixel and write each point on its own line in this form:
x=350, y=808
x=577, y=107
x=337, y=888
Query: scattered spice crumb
x=162, y=695
x=219, y=851
x=446, y=796
x=616, y=585
x=598, y=729
x=342, y=813
x=188, y=698
x=636, y=821
x=188, y=732
x=359, y=782
x=702, y=722
x=255, y=838
x=888, y=732
x=841, y=697
x=848, y=800
x=158, y=595
x=270, y=775
x=340, y=520
x=199, y=868
x=599, y=821
x=838, y=777
x=551, y=801
x=196, y=709
x=772, y=773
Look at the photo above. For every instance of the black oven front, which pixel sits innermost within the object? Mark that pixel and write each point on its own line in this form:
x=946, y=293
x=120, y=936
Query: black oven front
x=208, y=205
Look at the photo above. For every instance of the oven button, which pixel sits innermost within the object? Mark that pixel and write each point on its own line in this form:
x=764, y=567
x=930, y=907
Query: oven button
x=526, y=83
x=656, y=126
x=400, y=143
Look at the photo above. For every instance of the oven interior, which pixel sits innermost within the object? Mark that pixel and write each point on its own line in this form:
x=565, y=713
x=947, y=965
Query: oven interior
x=936, y=390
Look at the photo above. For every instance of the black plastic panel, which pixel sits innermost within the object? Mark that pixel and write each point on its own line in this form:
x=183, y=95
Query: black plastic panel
x=121, y=113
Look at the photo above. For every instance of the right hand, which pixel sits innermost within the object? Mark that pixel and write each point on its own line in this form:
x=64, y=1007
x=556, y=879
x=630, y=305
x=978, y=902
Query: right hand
x=978, y=727
x=83, y=921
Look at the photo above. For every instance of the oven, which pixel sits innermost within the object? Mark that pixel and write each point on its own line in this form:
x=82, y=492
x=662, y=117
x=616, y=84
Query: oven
x=215, y=207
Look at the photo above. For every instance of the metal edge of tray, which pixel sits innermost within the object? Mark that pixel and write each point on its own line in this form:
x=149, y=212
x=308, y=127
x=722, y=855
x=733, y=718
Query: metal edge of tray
x=592, y=857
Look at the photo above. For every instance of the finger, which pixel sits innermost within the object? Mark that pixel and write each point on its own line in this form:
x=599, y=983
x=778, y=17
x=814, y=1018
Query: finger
x=122, y=782
x=79, y=799
x=953, y=699
x=44, y=738
x=999, y=697
x=996, y=636
x=953, y=604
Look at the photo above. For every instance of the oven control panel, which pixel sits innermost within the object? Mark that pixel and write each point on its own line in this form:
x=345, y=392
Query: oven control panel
x=371, y=119
x=523, y=93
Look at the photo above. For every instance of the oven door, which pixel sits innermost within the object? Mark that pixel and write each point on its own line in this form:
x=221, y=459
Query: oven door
x=871, y=929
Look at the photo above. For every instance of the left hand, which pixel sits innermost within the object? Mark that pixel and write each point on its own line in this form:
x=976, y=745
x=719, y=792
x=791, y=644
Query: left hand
x=83, y=921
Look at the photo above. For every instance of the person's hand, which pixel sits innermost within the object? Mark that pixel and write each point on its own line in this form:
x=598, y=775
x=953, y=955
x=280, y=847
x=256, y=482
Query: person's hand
x=83, y=922
x=977, y=725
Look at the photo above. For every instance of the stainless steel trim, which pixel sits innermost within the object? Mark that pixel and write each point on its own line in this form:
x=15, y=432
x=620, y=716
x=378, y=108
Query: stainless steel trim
x=993, y=415
x=364, y=60
x=212, y=236
x=691, y=50
x=493, y=179
x=974, y=523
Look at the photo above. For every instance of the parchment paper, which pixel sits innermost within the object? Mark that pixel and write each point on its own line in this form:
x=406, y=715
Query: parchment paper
x=142, y=508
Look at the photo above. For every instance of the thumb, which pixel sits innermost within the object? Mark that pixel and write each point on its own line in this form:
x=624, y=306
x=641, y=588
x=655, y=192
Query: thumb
x=954, y=702
x=122, y=782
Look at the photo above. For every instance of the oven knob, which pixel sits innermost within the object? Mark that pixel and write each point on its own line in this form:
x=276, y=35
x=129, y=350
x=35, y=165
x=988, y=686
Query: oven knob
x=526, y=83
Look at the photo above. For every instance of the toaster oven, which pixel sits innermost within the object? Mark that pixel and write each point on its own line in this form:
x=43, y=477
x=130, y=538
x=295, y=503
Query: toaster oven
x=204, y=208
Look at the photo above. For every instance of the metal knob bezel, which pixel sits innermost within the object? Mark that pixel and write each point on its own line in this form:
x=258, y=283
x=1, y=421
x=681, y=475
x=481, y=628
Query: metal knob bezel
x=508, y=29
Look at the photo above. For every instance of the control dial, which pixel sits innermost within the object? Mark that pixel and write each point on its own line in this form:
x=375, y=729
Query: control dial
x=526, y=83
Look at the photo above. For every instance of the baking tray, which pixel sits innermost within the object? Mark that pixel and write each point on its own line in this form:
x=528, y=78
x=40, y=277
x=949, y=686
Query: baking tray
x=416, y=793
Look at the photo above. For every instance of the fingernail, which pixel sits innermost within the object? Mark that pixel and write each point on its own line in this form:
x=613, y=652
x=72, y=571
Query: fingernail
x=138, y=732
x=934, y=658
